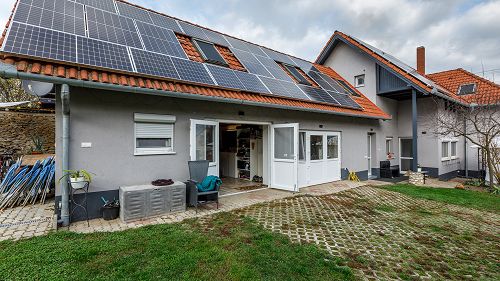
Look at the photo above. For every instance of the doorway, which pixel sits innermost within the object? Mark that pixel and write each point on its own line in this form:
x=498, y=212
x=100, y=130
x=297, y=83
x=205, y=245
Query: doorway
x=319, y=157
x=370, y=157
x=241, y=165
x=406, y=152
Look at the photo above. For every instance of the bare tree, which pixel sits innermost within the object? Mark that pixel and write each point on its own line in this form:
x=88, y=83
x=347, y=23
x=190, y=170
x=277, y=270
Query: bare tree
x=479, y=123
x=12, y=91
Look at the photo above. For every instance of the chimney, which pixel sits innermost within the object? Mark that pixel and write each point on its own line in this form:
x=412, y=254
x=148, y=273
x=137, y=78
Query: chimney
x=421, y=60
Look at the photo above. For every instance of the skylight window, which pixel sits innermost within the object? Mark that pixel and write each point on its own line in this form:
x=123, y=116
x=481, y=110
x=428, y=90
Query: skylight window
x=209, y=52
x=467, y=89
x=296, y=74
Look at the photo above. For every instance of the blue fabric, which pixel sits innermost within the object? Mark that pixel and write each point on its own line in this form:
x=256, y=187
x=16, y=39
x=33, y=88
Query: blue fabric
x=209, y=183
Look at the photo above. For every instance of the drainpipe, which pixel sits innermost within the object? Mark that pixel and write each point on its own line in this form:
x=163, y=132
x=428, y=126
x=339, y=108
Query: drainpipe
x=465, y=154
x=65, y=154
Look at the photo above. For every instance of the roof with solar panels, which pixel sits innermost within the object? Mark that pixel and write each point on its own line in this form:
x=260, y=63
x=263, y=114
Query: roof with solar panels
x=112, y=41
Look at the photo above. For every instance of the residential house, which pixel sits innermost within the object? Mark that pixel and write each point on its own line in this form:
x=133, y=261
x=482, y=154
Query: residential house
x=142, y=93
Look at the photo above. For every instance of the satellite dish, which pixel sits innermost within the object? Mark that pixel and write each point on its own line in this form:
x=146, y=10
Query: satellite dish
x=37, y=88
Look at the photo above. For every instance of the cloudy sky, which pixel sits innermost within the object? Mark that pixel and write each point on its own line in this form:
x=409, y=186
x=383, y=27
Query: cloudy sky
x=456, y=33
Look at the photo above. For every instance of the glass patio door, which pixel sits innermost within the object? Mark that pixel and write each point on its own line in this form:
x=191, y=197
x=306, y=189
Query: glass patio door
x=406, y=152
x=204, y=143
x=284, y=162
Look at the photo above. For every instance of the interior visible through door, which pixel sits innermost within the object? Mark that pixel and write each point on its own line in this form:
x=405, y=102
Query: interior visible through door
x=241, y=166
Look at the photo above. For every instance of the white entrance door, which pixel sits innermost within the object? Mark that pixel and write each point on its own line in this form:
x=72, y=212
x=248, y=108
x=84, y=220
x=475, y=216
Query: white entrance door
x=319, y=160
x=204, y=143
x=369, y=155
x=284, y=156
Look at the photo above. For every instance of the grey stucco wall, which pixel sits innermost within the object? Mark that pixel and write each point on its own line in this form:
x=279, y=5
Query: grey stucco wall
x=349, y=63
x=106, y=120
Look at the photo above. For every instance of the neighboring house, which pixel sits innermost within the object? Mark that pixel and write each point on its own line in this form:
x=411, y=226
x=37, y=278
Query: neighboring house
x=145, y=93
x=412, y=98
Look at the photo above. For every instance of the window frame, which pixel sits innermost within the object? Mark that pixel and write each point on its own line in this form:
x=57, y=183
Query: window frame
x=321, y=155
x=389, y=148
x=453, y=142
x=301, y=79
x=205, y=57
x=356, y=84
x=154, y=119
x=337, y=150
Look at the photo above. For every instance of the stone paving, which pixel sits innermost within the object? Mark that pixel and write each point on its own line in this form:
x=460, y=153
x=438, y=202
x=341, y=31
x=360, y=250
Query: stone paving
x=24, y=222
x=226, y=204
x=388, y=236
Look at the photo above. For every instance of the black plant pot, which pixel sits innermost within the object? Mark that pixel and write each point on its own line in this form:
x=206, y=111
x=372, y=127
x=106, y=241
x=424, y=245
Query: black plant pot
x=110, y=213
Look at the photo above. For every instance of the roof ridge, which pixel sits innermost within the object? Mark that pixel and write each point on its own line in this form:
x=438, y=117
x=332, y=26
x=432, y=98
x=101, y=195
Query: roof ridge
x=479, y=77
x=195, y=24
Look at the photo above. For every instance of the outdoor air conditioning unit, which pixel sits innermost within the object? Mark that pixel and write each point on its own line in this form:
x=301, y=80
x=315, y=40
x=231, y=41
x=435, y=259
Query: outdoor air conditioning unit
x=146, y=201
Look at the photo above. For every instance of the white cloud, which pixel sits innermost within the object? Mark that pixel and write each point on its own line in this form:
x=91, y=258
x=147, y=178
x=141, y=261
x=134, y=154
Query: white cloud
x=456, y=33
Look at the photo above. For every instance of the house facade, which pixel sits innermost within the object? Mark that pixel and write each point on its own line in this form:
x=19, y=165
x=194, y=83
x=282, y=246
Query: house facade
x=133, y=111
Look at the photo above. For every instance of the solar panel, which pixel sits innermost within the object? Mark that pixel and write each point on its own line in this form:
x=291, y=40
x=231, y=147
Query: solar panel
x=333, y=83
x=344, y=100
x=317, y=94
x=215, y=37
x=107, y=5
x=467, y=89
x=244, y=56
x=279, y=73
x=225, y=77
x=193, y=31
x=112, y=28
x=192, y=71
x=293, y=90
x=278, y=56
x=320, y=81
x=58, y=15
x=237, y=43
x=40, y=42
x=296, y=73
x=251, y=82
x=304, y=65
x=165, y=22
x=275, y=87
x=256, y=50
x=347, y=89
x=103, y=54
x=160, y=40
x=133, y=12
x=154, y=64
x=256, y=68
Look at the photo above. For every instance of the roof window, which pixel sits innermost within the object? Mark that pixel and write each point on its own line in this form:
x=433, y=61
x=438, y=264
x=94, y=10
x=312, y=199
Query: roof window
x=209, y=53
x=466, y=89
x=297, y=75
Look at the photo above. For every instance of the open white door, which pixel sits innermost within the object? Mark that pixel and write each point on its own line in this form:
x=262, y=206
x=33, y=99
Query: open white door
x=204, y=143
x=284, y=156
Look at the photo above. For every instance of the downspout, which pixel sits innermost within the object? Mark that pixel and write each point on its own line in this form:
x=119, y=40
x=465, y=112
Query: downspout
x=65, y=154
x=465, y=147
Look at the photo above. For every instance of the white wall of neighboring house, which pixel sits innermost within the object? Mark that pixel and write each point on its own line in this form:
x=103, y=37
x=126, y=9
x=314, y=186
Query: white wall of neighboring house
x=497, y=164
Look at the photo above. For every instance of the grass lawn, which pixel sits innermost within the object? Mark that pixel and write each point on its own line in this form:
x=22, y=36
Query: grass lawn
x=225, y=247
x=467, y=198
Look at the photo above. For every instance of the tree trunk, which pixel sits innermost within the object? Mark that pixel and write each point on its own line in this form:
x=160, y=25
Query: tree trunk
x=491, y=170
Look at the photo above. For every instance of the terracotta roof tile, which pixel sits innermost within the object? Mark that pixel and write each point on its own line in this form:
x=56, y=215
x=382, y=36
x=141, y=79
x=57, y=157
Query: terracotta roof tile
x=487, y=92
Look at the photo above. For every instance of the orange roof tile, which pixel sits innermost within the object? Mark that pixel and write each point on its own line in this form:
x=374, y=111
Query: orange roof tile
x=487, y=92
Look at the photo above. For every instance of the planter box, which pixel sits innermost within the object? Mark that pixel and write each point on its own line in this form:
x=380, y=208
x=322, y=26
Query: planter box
x=146, y=201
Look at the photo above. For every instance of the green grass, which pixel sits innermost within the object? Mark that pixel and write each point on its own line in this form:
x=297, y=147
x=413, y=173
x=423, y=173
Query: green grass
x=467, y=198
x=225, y=248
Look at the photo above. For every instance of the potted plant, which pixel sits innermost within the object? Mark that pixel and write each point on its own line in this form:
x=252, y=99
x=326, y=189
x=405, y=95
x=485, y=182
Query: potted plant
x=110, y=209
x=77, y=178
x=37, y=145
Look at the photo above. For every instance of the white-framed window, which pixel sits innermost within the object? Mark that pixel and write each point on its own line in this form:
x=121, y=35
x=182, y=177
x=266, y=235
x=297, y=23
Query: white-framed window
x=359, y=80
x=302, y=146
x=389, y=151
x=453, y=150
x=153, y=134
x=445, y=150
x=316, y=147
x=332, y=147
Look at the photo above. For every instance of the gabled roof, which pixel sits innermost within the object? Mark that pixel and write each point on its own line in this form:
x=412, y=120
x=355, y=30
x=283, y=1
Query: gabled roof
x=95, y=77
x=393, y=64
x=486, y=92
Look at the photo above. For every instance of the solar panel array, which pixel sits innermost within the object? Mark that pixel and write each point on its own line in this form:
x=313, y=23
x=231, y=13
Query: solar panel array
x=116, y=35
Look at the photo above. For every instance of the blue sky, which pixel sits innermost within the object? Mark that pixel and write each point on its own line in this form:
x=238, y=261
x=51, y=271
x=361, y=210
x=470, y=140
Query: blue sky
x=456, y=33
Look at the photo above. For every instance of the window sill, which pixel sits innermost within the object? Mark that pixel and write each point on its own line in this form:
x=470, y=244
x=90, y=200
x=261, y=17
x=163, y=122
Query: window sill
x=360, y=86
x=445, y=159
x=154, y=153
